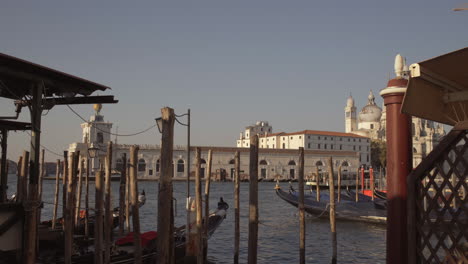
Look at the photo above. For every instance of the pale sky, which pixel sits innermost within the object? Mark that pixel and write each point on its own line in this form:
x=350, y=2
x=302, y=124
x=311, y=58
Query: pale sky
x=292, y=63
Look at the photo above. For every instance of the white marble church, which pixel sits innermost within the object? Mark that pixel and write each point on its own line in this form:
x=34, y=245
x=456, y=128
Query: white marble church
x=273, y=163
x=371, y=121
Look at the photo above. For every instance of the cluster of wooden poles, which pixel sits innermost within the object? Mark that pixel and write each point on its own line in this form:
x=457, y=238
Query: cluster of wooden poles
x=73, y=170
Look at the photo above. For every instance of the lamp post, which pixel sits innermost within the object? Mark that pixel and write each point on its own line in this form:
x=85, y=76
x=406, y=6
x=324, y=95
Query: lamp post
x=187, y=169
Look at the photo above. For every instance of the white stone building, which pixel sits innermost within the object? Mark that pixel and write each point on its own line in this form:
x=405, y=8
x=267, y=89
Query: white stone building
x=371, y=122
x=309, y=140
x=273, y=162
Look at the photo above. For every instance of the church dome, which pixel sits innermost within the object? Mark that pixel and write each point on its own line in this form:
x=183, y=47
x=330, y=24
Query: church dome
x=371, y=112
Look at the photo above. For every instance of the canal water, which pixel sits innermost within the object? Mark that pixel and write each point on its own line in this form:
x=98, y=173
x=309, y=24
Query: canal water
x=278, y=239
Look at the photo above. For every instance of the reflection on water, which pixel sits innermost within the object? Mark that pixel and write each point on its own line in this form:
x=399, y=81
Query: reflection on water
x=278, y=229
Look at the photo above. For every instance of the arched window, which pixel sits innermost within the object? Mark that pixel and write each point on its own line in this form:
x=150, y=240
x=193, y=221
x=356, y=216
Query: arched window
x=202, y=161
x=119, y=164
x=232, y=161
x=141, y=165
x=292, y=163
x=414, y=150
x=319, y=163
x=263, y=162
x=345, y=164
x=180, y=166
x=157, y=165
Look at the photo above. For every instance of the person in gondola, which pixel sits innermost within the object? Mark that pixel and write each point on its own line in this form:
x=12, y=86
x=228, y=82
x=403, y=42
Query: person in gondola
x=222, y=203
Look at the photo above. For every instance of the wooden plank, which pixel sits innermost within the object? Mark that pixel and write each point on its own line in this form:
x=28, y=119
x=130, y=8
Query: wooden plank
x=165, y=223
x=253, y=201
x=64, y=186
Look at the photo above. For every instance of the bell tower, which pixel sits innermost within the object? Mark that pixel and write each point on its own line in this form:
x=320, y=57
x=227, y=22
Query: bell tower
x=96, y=131
x=350, y=115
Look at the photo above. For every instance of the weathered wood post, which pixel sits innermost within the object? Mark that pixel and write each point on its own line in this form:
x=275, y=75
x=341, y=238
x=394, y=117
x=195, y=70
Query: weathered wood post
x=331, y=184
x=165, y=223
x=108, y=204
x=127, y=200
x=3, y=166
x=372, y=184
x=19, y=190
x=74, y=188
x=339, y=184
x=357, y=185
x=98, y=224
x=317, y=185
x=57, y=190
x=236, y=207
x=123, y=182
x=198, y=202
x=134, y=204
x=41, y=179
x=23, y=191
x=78, y=194
x=253, y=201
x=207, y=203
x=64, y=186
x=87, y=200
x=68, y=211
x=301, y=208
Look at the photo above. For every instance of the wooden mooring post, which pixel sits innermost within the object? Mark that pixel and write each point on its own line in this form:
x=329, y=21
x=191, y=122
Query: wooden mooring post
x=87, y=200
x=64, y=186
x=301, y=208
x=253, y=201
x=207, y=203
x=69, y=210
x=134, y=204
x=165, y=212
x=79, y=191
x=339, y=184
x=19, y=179
x=123, y=183
x=57, y=191
x=108, y=205
x=23, y=179
x=236, y=207
x=198, y=203
x=42, y=172
x=317, y=184
x=98, y=225
x=357, y=185
x=127, y=200
x=331, y=184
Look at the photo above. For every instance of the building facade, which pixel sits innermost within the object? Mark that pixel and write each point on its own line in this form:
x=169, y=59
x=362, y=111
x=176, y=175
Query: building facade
x=310, y=140
x=371, y=122
x=274, y=163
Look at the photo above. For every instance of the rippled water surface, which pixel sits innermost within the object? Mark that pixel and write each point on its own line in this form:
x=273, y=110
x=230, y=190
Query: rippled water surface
x=278, y=230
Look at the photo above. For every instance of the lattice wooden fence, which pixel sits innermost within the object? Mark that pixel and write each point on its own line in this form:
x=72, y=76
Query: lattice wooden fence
x=437, y=211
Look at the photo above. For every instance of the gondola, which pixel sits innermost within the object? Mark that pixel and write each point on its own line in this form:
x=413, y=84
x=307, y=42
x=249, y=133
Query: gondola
x=363, y=211
x=80, y=229
x=380, y=194
x=123, y=250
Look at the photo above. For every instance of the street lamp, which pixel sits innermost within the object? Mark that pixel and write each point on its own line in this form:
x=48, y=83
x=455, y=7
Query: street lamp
x=93, y=151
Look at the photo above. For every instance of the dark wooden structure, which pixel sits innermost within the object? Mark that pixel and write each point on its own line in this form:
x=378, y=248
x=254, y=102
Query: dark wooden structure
x=437, y=208
x=40, y=88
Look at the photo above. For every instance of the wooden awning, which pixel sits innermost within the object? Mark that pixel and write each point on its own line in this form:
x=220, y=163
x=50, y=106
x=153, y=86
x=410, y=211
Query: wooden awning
x=17, y=76
x=14, y=125
x=438, y=89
